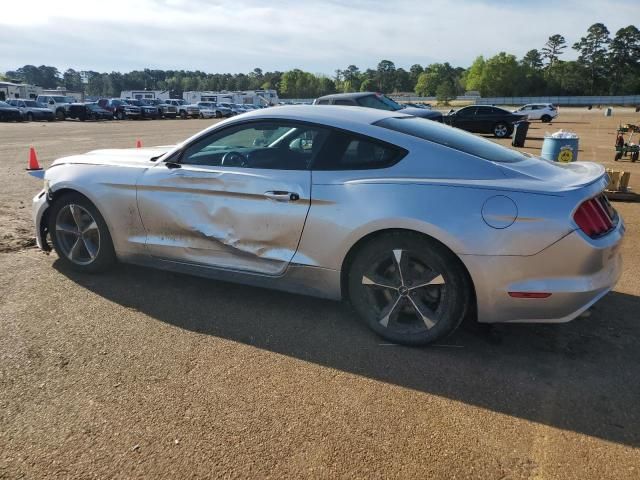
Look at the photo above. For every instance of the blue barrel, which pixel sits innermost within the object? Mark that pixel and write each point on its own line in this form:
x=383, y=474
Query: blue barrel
x=563, y=150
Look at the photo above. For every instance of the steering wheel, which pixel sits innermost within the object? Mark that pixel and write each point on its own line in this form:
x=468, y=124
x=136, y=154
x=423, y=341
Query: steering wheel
x=233, y=159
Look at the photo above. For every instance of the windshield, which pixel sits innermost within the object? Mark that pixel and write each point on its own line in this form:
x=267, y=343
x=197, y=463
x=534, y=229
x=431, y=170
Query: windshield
x=452, y=137
x=380, y=102
x=60, y=99
x=31, y=103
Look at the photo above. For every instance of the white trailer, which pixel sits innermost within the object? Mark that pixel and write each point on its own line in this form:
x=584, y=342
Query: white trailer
x=10, y=90
x=251, y=97
x=145, y=94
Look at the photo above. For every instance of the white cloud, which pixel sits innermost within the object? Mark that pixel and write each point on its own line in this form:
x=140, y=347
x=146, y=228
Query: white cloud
x=319, y=36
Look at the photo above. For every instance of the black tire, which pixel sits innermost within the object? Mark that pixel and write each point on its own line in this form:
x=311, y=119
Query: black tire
x=634, y=157
x=120, y=115
x=183, y=114
x=545, y=119
x=372, y=289
x=617, y=157
x=95, y=252
x=501, y=130
x=29, y=117
x=60, y=114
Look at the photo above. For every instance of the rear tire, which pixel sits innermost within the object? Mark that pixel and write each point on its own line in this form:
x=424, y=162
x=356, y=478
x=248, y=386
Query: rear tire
x=60, y=114
x=409, y=288
x=501, y=130
x=634, y=157
x=80, y=235
x=29, y=117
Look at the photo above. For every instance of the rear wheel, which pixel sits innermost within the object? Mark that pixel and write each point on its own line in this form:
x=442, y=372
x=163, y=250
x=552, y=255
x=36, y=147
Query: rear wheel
x=80, y=235
x=183, y=114
x=634, y=156
x=408, y=288
x=60, y=114
x=29, y=117
x=120, y=115
x=501, y=130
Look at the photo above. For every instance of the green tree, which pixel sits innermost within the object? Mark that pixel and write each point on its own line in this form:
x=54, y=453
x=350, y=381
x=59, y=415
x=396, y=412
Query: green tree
x=532, y=59
x=624, y=60
x=472, y=79
x=500, y=76
x=445, y=92
x=553, y=48
x=385, y=75
x=594, y=54
x=72, y=81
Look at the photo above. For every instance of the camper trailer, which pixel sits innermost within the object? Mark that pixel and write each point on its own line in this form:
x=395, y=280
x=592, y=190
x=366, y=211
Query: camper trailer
x=145, y=94
x=262, y=98
x=10, y=90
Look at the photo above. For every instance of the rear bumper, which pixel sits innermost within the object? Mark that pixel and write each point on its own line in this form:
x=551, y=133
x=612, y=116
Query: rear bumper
x=577, y=271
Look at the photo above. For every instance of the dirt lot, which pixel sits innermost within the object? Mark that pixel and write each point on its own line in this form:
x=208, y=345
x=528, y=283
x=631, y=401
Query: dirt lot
x=140, y=373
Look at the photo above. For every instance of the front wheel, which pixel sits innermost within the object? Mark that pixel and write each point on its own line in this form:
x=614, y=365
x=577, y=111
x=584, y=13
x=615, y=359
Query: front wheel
x=501, y=130
x=409, y=288
x=29, y=117
x=545, y=119
x=60, y=115
x=634, y=156
x=183, y=114
x=120, y=115
x=80, y=235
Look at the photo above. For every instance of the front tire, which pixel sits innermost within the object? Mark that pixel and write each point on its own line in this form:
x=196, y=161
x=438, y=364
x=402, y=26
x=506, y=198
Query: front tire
x=545, y=119
x=183, y=114
x=29, y=117
x=80, y=235
x=408, y=288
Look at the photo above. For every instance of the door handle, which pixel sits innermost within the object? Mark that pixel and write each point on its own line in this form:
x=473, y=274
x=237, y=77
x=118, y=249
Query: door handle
x=281, y=196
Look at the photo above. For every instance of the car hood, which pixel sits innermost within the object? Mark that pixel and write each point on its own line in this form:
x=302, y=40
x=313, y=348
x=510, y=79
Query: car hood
x=116, y=157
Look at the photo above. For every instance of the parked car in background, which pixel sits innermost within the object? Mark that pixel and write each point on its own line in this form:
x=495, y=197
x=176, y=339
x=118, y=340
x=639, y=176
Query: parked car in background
x=219, y=110
x=32, y=110
x=88, y=111
x=538, y=111
x=185, y=110
x=233, y=107
x=9, y=113
x=378, y=101
x=484, y=119
x=58, y=104
x=427, y=222
x=146, y=110
x=120, y=109
x=166, y=110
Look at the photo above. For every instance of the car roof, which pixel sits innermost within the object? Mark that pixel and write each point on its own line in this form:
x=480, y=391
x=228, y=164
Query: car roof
x=329, y=114
x=347, y=95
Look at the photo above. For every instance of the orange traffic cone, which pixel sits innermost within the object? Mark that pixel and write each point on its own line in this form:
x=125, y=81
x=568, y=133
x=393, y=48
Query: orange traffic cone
x=33, y=160
x=138, y=143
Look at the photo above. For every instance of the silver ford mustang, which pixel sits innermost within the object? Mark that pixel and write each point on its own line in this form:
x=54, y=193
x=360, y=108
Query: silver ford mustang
x=413, y=222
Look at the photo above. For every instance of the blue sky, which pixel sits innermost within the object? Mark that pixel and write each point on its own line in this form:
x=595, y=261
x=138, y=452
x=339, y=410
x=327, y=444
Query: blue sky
x=318, y=36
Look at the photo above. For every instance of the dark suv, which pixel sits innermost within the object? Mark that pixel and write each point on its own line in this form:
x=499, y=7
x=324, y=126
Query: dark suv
x=376, y=100
x=147, y=110
x=120, y=109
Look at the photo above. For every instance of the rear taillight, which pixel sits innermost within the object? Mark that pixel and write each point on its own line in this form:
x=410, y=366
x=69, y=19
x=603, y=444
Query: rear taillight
x=595, y=216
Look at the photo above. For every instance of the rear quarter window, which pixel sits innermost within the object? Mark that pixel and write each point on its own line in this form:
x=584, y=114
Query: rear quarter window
x=348, y=151
x=451, y=137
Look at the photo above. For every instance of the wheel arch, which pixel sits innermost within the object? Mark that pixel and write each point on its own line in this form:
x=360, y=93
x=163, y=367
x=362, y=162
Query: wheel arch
x=358, y=245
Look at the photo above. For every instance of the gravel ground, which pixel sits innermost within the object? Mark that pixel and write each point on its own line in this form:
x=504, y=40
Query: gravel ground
x=140, y=373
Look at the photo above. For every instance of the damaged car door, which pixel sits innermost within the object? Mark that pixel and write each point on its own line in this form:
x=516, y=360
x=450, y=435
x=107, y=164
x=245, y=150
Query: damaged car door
x=236, y=198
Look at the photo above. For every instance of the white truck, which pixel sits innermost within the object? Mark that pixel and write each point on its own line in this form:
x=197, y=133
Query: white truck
x=58, y=104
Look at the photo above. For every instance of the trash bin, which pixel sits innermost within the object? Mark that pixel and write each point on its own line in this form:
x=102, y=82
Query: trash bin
x=520, y=133
x=608, y=112
x=560, y=147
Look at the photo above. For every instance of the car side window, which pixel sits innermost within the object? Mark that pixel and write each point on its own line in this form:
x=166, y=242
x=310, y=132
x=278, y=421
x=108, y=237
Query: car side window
x=323, y=102
x=272, y=145
x=466, y=112
x=347, y=151
x=343, y=102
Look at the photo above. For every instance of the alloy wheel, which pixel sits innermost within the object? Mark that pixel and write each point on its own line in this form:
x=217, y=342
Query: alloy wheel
x=78, y=234
x=406, y=294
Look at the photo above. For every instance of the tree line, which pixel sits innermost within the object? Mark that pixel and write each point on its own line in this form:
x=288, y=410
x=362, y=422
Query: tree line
x=605, y=65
